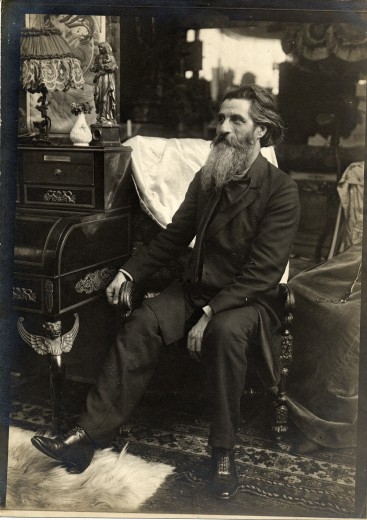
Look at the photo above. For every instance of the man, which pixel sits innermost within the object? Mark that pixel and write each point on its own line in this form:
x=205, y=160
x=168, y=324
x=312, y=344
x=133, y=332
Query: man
x=244, y=213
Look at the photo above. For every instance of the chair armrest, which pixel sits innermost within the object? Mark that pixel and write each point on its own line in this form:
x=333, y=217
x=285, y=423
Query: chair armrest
x=130, y=297
x=286, y=352
x=289, y=303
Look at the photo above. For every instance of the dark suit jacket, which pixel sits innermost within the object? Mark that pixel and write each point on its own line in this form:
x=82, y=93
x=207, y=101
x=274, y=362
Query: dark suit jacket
x=242, y=254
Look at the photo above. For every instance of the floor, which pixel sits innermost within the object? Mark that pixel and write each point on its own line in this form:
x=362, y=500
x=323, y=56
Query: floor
x=171, y=424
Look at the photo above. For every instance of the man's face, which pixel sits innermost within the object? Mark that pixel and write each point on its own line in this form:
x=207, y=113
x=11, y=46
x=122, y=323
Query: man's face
x=234, y=123
x=235, y=146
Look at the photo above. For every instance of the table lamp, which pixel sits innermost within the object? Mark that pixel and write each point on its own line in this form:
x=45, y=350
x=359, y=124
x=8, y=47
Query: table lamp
x=47, y=65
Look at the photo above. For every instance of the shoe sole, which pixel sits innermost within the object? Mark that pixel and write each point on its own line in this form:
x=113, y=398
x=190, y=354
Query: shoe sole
x=74, y=468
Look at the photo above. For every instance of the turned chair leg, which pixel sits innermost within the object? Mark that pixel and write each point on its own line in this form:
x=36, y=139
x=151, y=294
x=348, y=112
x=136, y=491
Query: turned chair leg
x=286, y=351
x=281, y=407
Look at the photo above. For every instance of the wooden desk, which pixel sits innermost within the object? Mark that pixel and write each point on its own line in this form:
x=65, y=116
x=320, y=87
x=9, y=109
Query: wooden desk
x=73, y=232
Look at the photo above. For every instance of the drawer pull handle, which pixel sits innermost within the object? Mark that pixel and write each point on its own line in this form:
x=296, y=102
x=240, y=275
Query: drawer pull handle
x=60, y=196
x=57, y=172
x=24, y=294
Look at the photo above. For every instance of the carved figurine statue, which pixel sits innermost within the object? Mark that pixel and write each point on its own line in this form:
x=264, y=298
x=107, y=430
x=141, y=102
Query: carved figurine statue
x=53, y=343
x=104, y=85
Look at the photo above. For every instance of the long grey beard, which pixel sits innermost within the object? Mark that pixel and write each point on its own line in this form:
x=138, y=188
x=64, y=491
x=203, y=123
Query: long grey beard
x=224, y=161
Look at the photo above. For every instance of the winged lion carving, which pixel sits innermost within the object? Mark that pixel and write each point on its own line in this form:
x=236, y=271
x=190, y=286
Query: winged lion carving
x=53, y=343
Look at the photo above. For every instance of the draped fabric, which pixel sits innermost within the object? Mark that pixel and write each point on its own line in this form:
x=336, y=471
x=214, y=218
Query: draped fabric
x=314, y=42
x=323, y=379
x=325, y=46
x=351, y=192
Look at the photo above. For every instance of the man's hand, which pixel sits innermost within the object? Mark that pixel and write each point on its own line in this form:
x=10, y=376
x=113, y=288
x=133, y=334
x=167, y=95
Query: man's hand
x=112, y=291
x=195, y=337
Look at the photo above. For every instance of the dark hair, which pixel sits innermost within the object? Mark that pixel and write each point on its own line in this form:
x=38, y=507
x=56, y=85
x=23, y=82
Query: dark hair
x=263, y=111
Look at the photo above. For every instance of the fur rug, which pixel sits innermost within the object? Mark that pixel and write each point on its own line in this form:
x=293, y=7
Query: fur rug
x=115, y=482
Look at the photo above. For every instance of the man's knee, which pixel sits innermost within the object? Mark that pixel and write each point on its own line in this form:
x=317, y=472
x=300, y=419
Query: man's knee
x=219, y=328
x=229, y=334
x=234, y=324
x=141, y=321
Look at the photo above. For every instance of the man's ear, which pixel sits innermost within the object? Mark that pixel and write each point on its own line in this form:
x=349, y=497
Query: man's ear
x=260, y=131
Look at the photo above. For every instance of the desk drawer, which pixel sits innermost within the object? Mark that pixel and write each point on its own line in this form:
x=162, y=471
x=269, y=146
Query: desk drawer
x=68, y=196
x=58, y=168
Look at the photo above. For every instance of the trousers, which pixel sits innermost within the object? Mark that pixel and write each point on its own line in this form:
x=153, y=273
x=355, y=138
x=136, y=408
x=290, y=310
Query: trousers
x=135, y=354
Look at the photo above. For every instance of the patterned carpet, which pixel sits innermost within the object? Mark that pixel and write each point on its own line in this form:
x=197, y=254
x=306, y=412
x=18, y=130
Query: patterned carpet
x=263, y=469
x=173, y=430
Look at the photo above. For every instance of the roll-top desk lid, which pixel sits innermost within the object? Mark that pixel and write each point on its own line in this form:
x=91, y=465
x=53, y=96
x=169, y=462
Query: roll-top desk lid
x=56, y=245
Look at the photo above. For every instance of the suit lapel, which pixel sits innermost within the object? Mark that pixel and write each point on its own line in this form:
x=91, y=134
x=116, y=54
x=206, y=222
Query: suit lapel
x=209, y=208
x=256, y=174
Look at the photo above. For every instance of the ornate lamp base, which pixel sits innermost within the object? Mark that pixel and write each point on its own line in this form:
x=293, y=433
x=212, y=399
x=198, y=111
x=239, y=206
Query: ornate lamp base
x=105, y=135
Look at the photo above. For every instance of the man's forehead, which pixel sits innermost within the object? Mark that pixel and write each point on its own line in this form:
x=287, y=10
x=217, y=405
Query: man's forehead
x=240, y=106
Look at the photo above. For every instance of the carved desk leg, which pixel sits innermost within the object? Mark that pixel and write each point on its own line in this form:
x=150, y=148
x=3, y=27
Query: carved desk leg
x=57, y=378
x=54, y=345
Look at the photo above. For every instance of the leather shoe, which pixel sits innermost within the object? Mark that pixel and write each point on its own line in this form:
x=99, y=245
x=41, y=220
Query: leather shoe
x=224, y=477
x=74, y=449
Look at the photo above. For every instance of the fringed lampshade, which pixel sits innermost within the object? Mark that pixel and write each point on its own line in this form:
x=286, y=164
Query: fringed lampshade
x=47, y=65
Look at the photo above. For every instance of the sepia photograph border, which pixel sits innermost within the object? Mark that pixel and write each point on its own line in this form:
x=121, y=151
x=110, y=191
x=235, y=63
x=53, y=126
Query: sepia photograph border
x=13, y=12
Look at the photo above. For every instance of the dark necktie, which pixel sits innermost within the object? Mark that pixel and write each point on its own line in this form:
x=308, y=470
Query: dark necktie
x=233, y=192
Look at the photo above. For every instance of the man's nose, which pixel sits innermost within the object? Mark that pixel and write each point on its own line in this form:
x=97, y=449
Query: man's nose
x=224, y=127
